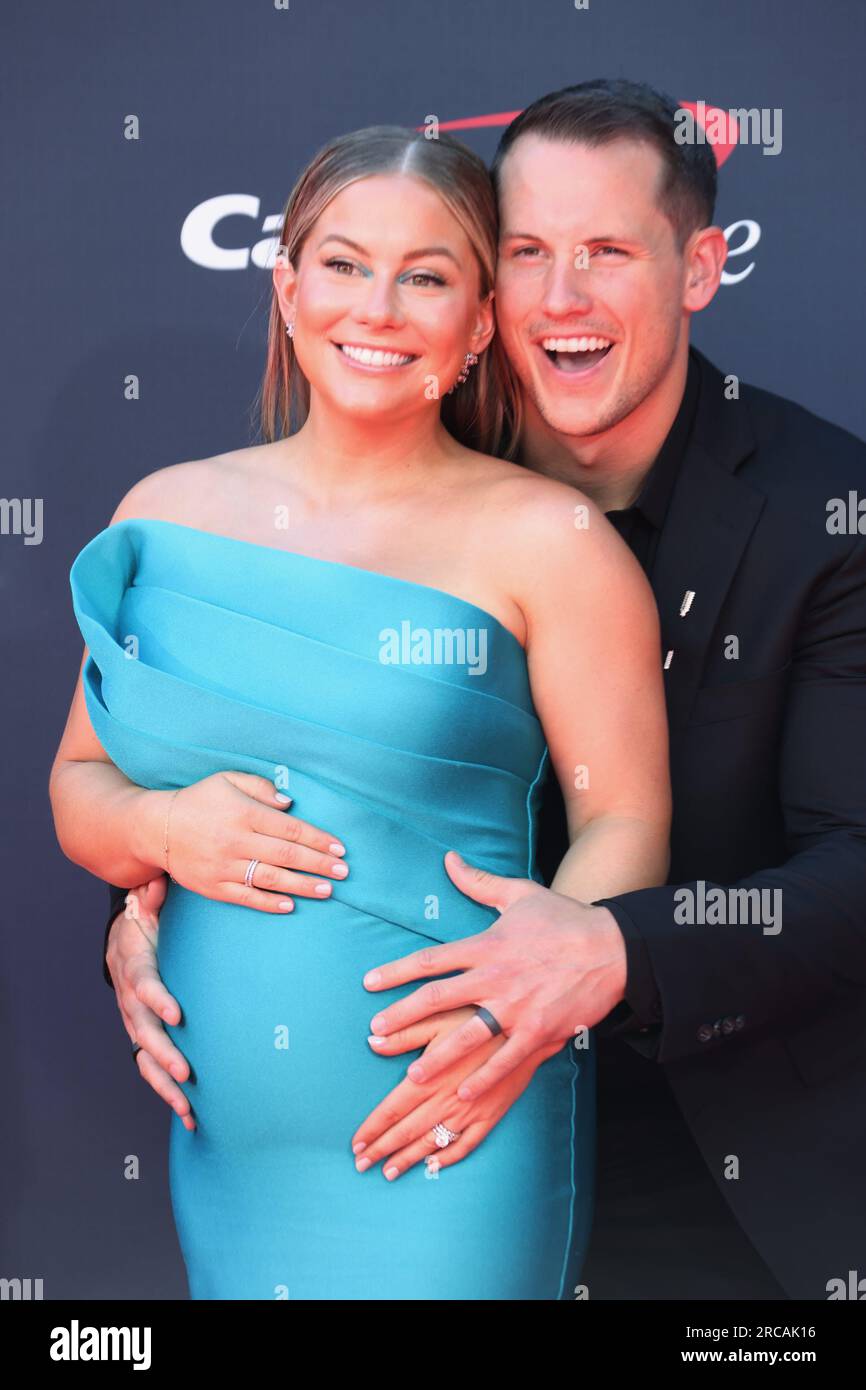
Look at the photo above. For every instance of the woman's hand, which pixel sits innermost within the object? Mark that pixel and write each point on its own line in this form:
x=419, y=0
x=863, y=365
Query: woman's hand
x=216, y=826
x=143, y=999
x=400, y=1128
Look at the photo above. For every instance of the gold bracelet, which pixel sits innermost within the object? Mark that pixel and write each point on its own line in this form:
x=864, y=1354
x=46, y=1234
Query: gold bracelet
x=165, y=834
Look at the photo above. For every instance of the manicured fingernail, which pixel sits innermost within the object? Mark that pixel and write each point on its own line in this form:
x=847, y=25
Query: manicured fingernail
x=391, y=1173
x=359, y=1147
x=362, y=1164
x=372, y=977
x=376, y=1025
x=416, y=1071
x=375, y=1041
x=336, y=848
x=281, y=796
x=286, y=906
x=323, y=889
x=176, y=1070
x=339, y=869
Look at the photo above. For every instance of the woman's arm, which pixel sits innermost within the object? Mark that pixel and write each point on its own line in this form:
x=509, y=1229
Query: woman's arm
x=594, y=657
x=104, y=822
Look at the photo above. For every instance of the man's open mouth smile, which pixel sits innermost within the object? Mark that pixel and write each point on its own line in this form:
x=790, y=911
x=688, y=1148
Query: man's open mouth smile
x=575, y=356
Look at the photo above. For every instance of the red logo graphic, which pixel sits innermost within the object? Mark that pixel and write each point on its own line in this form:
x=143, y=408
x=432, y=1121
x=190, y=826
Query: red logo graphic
x=722, y=149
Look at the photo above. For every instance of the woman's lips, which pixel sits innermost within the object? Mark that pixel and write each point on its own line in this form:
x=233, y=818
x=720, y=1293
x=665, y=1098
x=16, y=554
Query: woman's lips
x=370, y=359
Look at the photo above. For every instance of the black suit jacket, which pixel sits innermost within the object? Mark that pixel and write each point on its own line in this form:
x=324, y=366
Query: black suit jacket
x=762, y=1033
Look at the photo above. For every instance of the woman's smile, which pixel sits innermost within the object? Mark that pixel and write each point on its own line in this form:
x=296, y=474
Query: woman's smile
x=367, y=358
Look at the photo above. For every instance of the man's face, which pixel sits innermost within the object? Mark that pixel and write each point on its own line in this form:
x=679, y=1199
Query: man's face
x=587, y=259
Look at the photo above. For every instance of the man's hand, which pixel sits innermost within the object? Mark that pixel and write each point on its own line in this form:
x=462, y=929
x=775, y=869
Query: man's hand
x=547, y=968
x=143, y=999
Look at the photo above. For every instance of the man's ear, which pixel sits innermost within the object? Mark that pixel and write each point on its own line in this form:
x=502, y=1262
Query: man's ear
x=485, y=325
x=285, y=279
x=705, y=256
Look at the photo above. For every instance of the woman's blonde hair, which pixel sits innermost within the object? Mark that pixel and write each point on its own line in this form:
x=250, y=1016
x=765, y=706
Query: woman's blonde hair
x=483, y=412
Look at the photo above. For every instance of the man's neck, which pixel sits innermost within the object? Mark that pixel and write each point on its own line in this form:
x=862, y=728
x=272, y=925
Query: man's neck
x=609, y=467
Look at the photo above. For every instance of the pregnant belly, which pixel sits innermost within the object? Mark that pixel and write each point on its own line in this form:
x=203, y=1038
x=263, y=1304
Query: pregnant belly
x=275, y=1020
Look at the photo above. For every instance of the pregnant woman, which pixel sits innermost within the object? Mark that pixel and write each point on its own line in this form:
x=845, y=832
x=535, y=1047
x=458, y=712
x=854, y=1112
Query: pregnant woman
x=376, y=617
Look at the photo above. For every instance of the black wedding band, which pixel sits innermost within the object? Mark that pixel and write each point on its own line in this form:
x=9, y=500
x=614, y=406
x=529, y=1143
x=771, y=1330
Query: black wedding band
x=487, y=1017
x=136, y=1047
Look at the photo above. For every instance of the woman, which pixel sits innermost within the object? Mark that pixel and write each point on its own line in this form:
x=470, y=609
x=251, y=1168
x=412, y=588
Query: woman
x=434, y=626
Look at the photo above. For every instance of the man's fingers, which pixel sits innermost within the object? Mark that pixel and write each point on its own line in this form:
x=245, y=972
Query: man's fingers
x=151, y=991
x=443, y=1052
x=506, y=1060
x=493, y=890
x=430, y=960
x=157, y=1078
x=144, y=1027
x=433, y=998
x=405, y=1039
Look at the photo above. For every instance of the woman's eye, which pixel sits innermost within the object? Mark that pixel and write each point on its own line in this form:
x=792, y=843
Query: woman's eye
x=337, y=263
x=422, y=279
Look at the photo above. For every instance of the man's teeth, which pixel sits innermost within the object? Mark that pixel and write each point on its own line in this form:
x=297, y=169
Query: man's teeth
x=376, y=359
x=574, y=344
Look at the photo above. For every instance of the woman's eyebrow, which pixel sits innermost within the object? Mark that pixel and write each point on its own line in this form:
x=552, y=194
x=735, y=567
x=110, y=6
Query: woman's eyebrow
x=410, y=255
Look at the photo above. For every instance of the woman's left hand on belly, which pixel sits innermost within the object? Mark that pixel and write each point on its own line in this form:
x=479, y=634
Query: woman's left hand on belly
x=400, y=1129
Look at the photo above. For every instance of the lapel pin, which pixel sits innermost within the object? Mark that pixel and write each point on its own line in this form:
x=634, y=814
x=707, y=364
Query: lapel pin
x=686, y=604
x=668, y=659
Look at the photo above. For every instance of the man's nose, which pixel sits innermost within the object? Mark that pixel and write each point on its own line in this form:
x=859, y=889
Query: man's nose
x=566, y=290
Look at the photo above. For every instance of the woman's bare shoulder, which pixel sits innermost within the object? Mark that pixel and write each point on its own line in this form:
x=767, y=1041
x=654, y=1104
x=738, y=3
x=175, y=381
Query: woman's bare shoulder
x=198, y=492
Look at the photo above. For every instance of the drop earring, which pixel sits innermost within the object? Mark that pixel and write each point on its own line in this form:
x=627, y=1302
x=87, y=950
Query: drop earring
x=469, y=361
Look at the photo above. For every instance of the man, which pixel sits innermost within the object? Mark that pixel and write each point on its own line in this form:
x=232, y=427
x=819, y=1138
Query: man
x=732, y=1068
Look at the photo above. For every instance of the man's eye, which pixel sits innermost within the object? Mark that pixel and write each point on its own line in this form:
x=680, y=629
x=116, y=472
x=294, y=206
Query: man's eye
x=526, y=251
x=608, y=251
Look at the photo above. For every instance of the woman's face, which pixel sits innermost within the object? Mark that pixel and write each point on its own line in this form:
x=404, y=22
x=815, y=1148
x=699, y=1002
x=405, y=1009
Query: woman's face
x=385, y=299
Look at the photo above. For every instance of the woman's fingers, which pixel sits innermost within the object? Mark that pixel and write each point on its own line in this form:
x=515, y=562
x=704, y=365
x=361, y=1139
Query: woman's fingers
x=291, y=855
x=243, y=895
x=445, y=1050
x=293, y=830
x=428, y=1150
x=168, y=1090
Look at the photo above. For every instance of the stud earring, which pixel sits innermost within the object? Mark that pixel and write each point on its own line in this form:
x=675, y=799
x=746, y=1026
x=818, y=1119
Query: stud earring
x=469, y=361
x=290, y=329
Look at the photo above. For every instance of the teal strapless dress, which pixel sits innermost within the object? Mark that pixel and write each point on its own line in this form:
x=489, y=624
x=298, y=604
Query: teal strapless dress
x=401, y=718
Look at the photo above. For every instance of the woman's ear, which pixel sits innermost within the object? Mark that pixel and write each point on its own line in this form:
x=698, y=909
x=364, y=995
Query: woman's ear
x=285, y=279
x=485, y=325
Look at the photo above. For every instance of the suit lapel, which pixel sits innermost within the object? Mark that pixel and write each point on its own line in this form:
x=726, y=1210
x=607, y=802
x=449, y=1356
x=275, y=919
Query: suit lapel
x=711, y=516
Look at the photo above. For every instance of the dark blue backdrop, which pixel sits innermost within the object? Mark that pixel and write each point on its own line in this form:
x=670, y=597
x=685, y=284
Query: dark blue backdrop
x=232, y=97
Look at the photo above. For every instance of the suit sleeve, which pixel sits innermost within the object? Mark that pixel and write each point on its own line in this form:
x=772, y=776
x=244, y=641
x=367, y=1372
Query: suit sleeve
x=715, y=981
x=118, y=902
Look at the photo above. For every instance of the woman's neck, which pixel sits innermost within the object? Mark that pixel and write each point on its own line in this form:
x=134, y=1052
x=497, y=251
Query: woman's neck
x=337, y=459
